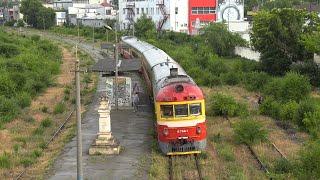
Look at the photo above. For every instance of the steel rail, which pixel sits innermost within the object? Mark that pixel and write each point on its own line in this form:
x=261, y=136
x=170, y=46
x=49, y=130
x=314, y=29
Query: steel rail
x=50, y=140
x=198, y=166
x=170, y=168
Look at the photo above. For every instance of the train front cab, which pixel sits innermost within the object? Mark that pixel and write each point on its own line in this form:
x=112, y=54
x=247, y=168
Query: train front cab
x=181, y=127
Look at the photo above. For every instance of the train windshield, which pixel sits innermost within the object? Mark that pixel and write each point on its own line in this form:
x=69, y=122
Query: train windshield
x=181, y=110
x=195, y=109
x=166, y=111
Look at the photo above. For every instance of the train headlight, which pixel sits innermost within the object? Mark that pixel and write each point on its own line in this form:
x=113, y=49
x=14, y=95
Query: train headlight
x=165, y=132
x=198, y=130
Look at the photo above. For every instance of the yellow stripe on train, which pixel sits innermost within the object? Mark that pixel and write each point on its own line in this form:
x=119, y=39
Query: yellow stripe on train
x=183, y=153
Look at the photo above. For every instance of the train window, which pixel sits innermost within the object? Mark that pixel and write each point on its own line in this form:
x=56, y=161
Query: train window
x=181, y=110
x=195, y=109
x=166, y=111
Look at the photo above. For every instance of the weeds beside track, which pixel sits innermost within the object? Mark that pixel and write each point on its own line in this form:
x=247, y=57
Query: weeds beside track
x=191, y=170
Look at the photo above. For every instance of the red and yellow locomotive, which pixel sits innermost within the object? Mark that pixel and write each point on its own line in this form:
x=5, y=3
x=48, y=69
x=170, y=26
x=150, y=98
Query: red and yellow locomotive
x=179, y=102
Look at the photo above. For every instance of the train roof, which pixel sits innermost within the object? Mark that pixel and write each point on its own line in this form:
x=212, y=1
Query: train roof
x=154, y=55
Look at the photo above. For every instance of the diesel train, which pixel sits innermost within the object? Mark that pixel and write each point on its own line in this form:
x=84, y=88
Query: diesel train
x=178, y=101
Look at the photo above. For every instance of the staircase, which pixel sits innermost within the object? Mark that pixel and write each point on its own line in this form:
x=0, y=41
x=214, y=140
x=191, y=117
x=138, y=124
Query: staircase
x=130, y=11
x=164, y=14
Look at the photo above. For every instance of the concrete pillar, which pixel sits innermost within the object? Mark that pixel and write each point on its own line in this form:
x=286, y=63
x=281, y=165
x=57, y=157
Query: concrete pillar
x=105, y=143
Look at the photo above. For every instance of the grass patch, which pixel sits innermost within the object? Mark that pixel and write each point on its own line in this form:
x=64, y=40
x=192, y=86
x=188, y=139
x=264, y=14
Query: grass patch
x=225, y=151
x=5, y=161
x=46, y=123
x=59, y=108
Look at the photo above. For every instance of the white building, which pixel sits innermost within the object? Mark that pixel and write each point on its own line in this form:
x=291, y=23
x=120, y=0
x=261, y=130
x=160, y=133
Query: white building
x=232, y=13
x=91, y=14
x=166, y=14
x=61, y=4
x=184, y=15
x=61, y=18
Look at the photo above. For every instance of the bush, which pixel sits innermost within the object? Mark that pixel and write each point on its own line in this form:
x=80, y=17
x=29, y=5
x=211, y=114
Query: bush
x=226, y=152
x=309, y=161
x=249, y=132
x=20, y=23
x=246, y=66
x=35, y=38
x=282, y=166
x=288, y=111
x=10, y=23
x=220, y=105
x=39, y=131
x=270, y=107
x=305, y=107
x=44, y=109
x=310, y=69
x=46, y=123
x=59, y=108
x=8, y=50
x=23, y=99
x=312, y=123
x=8, y=109
x=5, y=161
x=255, y=81
x=26, y=161
x=217, y=67
x=230, y=78
x=292, y=86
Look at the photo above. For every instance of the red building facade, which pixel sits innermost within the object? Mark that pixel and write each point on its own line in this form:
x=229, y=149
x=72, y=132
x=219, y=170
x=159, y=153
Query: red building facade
x=204, y=10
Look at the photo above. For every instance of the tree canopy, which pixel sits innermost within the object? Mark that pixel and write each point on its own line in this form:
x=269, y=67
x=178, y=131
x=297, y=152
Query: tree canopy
x=144, y=27
x=37, y=15
x=222, y=41
x=281, y=35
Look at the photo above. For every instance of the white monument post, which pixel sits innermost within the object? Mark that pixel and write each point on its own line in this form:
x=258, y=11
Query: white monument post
x=105, y=143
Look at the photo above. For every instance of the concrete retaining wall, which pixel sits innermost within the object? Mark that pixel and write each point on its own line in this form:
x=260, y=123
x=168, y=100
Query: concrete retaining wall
x=247, y=53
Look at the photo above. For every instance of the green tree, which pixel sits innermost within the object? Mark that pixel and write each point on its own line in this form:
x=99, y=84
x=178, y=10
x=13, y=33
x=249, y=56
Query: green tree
x=222, y=41
x=278, y=36
x=37, y=15
x=145, y=28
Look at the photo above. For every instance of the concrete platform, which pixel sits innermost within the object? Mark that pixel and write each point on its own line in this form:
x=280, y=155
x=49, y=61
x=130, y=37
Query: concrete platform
x=131, y=129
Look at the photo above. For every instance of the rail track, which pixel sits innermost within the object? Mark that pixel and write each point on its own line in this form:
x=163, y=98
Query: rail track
x=196, y=165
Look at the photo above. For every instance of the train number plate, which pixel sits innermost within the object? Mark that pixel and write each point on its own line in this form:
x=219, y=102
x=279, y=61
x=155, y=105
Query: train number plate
x=179, y=131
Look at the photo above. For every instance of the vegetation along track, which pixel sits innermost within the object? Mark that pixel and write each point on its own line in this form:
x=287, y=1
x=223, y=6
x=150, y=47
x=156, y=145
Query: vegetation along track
x=184, y=167
x=50, y=140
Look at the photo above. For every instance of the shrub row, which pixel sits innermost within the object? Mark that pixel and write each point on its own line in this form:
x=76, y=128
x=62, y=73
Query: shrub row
x=224, y=105
x=27, y=65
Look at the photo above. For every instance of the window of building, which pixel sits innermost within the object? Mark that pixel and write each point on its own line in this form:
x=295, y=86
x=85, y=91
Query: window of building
x=176, y=10
x=147, y=10
x=137, y=11
x=157, y=10
x=142, y=10
x=203, y=10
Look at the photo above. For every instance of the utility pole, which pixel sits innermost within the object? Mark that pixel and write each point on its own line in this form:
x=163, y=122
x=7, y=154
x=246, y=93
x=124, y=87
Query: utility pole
x=78, y=104
x=116, y=73
x=93, y=35
x=116, y=57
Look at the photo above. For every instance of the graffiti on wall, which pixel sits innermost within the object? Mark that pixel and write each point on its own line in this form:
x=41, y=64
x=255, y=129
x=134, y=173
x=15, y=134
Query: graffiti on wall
x=124, y=91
